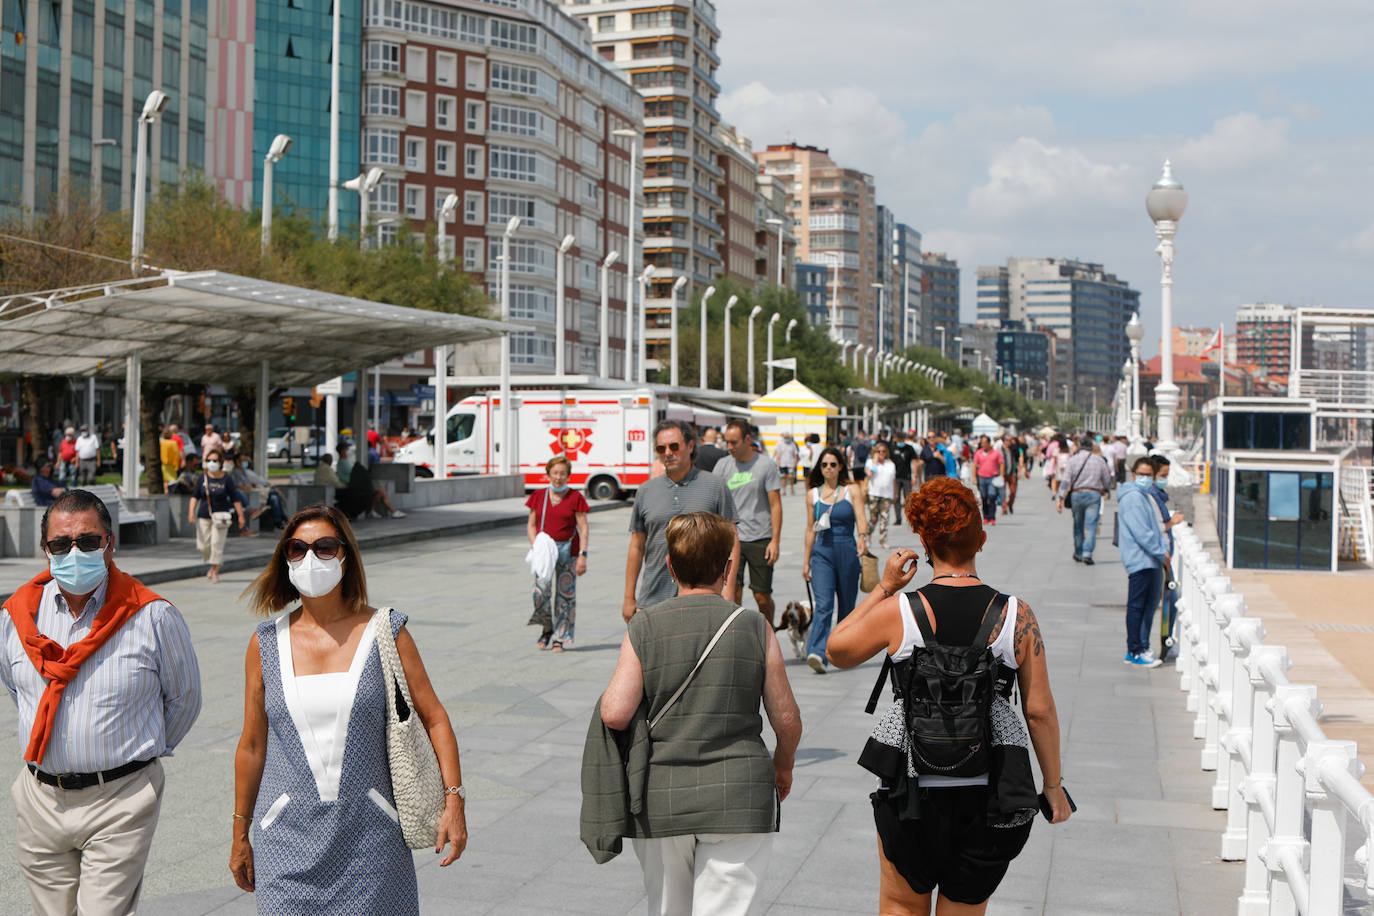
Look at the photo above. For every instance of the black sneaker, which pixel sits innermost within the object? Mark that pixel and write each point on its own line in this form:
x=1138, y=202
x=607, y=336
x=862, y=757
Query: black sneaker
x=1087, y=561
x=1078, y=559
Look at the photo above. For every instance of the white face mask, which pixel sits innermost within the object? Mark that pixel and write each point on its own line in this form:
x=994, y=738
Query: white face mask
x=212, y=466
x=314, y=577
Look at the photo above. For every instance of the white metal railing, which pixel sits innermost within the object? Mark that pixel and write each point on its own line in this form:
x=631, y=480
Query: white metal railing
x=1343, y=387
x=1356, y=513
x=1288, y=790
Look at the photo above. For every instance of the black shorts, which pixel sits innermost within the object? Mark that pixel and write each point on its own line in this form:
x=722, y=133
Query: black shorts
x=751, y=555
x=857, y=474
x=950, y=846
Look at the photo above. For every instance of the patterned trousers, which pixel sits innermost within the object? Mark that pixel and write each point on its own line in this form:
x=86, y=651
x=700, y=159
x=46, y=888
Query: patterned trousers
x=878, y=507
x=555, y=598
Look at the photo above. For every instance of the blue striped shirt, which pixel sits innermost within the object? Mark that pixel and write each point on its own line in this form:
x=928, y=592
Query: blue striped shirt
x=134, y=699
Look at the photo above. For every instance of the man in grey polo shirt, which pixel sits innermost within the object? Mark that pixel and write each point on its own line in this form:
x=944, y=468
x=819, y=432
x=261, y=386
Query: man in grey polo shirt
x=755, y=485
x=682, y=488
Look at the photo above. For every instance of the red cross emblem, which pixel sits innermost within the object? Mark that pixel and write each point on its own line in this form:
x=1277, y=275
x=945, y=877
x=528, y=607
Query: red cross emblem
x=570, y=441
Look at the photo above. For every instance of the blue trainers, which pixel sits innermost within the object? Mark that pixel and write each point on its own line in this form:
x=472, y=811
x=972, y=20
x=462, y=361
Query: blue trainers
x=1142, y=660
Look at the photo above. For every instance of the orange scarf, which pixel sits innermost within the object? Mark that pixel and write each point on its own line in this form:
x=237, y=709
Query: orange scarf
x=124, y=597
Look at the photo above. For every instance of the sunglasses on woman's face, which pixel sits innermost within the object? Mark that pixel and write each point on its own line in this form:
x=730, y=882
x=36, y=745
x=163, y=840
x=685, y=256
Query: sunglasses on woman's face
x=325, y=548
x=830, y=464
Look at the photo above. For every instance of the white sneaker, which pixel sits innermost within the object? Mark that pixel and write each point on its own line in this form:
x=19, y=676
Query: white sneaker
x=398, y=514
x=1148, y=659
x=816, y=662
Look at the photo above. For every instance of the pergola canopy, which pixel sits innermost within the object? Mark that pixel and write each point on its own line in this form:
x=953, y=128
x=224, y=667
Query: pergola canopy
x=213, y=327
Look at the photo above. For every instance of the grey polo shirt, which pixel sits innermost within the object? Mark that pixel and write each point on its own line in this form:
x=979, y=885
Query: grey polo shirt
x=656, y=504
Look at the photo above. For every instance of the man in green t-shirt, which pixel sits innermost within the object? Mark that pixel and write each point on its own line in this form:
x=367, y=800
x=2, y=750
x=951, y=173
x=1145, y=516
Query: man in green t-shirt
x=755, y=486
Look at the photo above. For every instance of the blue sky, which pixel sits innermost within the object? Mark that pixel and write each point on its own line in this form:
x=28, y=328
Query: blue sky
x=1003, y=129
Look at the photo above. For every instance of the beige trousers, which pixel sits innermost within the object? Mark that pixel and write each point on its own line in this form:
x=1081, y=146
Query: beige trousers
x=704, y=874
x=83, y=852
x=210, y=540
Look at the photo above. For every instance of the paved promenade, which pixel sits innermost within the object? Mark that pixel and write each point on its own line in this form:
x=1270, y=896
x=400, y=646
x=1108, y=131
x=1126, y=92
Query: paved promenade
x=1145, y=839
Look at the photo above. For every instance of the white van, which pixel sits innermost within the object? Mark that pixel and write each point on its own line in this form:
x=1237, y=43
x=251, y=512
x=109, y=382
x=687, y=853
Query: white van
x=606, y=434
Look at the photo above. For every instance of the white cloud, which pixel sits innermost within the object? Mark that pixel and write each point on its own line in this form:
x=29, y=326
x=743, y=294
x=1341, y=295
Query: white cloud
x=1030, y=175
x=1361, y=244
x=1237, y=140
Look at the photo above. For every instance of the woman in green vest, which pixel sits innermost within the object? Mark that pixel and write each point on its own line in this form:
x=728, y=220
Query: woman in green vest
x=713, y=792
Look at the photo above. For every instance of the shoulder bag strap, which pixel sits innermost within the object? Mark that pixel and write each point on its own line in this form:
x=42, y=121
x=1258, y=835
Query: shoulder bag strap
x=878, y=687
x=1077, y=475
x=693, y=673
x=397, y=693
x=991, y=615
x=544, y=510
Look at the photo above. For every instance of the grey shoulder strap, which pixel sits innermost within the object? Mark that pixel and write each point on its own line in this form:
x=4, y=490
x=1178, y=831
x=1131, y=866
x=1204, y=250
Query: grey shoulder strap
x=693, y=673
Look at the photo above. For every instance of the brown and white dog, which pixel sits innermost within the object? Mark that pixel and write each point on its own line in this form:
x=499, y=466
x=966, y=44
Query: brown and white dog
x=796, y=620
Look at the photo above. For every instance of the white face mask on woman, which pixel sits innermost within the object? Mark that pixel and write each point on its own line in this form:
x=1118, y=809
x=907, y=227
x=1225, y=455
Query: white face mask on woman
x=314, y=577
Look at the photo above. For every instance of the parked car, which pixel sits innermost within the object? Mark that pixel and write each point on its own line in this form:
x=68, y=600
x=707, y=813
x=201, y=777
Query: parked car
x=279, y=437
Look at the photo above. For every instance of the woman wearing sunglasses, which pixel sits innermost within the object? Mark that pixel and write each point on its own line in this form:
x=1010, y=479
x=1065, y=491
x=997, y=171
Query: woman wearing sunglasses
x=834, y=542
x=212, y=498
x=312, y=767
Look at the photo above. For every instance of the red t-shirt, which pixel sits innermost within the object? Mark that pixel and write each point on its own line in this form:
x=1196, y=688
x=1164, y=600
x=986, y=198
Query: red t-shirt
x=559, y=521
x=67, y=450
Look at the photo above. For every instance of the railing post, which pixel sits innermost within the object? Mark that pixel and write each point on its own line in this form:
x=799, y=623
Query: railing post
x=1326, y=889
x=1213, y=588
x=1198, y=607
x=1193, y=555
x=1259, y=785
x=1243, y=633
x=1225, y=609
x=1290, y=797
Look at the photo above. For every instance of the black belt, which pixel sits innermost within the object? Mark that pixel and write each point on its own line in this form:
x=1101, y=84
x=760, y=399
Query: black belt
x=73, y=781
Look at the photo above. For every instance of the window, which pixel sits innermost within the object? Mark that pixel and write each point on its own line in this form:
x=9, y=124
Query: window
x=417, y=18
x=474, y=29
x=415, y=201
x=501, y=207
x=417, y=64
x=657, y=19
x=474, y=114
x=415, y=154
x=445, y=69
x=472, y=208
x=650, y=78
x=385, y=13
x=531, y=350
x=383, y=100
x=526, y=122
x=476, y=72
x=415, y=108
x=605, y=23
x=472, y=161
x=386, y=199
x=443, y=158
x=381, y=146
x=514, y=35
x=383, y=56
x=524, y=81
x=472, y=254
x=515, y=164
x=443, y=112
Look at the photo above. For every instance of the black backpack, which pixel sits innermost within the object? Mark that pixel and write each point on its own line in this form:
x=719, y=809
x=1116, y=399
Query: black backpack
x=946, y=694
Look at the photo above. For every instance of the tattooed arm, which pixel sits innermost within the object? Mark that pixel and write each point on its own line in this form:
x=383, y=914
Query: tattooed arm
x=1038, y=704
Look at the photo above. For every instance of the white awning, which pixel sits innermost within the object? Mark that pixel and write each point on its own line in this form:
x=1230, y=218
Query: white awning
x=209, y=326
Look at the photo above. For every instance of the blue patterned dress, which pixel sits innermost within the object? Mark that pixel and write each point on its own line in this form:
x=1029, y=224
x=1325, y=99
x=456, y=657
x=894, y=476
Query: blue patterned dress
x=344, y=855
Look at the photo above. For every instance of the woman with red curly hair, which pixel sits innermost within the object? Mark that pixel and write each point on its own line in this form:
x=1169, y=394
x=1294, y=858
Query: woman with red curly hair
x=937, y=831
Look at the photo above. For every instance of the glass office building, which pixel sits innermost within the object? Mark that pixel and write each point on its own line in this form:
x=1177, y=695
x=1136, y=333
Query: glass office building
x=291, y=96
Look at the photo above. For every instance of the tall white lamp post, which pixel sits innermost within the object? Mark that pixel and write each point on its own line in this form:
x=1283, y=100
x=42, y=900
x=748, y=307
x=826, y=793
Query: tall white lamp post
x=678, y=284
x=1135, y=331
x=631, y=267
x=771, y=321
x=645, y=275
x=507, y=414
x=787, y=332
x=844, y=353
x=835, y=303
x=152, y=107
x=1165, y=203
x=446, y=211
x=560, y=302
x=701, y=340
x=958, y=350
x=879, y=337
x=941, y=329
x=749, y=349
x=868, y=357
x=364, y=184
x=280, y=144
x=603, y=363
x=729, y=304
x=777, y=224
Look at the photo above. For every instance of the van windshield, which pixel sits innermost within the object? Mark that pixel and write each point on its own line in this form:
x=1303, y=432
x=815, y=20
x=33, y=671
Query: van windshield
x=460, y=426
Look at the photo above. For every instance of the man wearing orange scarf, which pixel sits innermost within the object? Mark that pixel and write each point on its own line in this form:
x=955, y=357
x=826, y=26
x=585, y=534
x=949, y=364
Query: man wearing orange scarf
x=106, y=682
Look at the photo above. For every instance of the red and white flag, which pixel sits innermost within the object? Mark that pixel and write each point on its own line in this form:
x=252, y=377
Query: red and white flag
x=1213, y=344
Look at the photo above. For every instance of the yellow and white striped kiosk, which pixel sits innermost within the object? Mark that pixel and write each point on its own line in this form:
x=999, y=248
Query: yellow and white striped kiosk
x=795, y=409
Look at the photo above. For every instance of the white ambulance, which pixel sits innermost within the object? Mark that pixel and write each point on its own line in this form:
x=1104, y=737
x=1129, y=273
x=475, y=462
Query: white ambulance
x=606, y=434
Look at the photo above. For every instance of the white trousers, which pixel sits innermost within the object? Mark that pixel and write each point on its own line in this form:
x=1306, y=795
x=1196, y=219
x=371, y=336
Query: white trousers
x=83, y=851
x=210, y=540
x=704, y=874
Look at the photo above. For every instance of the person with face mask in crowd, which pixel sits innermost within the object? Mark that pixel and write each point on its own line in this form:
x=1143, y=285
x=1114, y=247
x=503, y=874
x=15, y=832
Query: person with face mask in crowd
x=1169, y=612
x=560, y=513
x=106, y=682
x=312, y=769
x=1145, y=554
x=212, y=498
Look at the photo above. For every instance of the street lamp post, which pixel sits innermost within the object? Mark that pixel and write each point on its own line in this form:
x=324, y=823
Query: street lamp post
x=678, y=284
x=749, y=348
x=729, y=304
x=644, y=276
x=506, y=413
x=1134, y=332
x=631, y=268
x=280, y=144
x=777, y=224
x=446, y=211
x=835, y=303
x=787, y=332
x=868, y=359
x=771, y=321
x=701, y=344
x=941, y=329
x=560, y=302
x=152, y=107
x=844, y=353
x=604, y=361
x=364, y=184
x=1165, y=204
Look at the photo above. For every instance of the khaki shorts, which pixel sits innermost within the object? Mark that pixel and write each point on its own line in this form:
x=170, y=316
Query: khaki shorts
x=751, y=555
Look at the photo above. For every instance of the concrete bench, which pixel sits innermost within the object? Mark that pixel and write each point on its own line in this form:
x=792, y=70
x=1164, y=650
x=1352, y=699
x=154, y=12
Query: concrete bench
x=20, y=498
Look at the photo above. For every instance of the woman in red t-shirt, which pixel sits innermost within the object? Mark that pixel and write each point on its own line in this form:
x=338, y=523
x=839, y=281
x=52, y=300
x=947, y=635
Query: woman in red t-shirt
x=560, y=512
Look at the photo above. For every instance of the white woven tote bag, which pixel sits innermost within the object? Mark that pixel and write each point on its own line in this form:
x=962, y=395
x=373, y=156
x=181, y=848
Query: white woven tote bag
x=416, y=783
